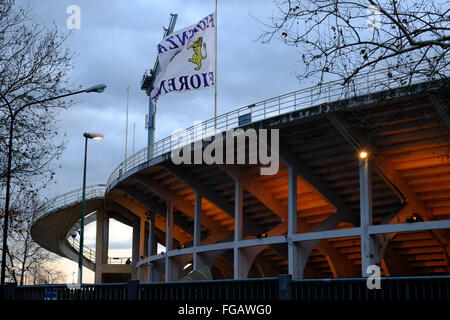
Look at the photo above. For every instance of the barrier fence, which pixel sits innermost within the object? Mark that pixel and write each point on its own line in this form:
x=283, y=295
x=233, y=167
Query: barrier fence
x=433, y=288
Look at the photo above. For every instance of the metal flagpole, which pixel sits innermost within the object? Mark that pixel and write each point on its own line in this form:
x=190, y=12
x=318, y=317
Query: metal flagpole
x=126, y=129
x=215, y=76
x=134, y=135
x=146, y=84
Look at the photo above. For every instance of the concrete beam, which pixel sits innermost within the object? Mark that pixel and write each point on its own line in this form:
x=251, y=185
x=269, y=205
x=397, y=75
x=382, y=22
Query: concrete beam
x=293, y=249
x=211, y=195
x=197, y=229
x=135, y=248
x=441, y=109
x=239, y=260
x=260, y=192
x=139, y=197
x=101, y=244
x=169, y=242
x=206, y=191
x=154, y=186
x=160, y=221
x=369, y=247
x=413, y=203
x=156, y=208
x=344, y=213
x=121, y=213
x=313, y=180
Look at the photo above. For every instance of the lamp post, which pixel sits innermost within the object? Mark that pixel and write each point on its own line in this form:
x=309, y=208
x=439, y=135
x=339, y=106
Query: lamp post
x=94, y=136
x=13, y=114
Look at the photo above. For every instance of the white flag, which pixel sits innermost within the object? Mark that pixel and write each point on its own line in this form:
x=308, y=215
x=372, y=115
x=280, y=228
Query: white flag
x=187, y=59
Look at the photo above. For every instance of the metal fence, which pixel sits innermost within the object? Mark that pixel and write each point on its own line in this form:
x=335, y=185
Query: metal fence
x=435, y=288
x=371, y=82
x=62, y=292
x=249, y=289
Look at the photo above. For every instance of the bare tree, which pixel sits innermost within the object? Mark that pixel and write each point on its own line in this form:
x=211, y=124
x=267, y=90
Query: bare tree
x=46, y=274
x=27, y=262
x=34, y=66
x=340, y=39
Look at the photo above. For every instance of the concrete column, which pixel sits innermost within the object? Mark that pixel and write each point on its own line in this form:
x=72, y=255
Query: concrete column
x=105, y=237
x=238, y=229
x=197, y=229
x=368, y=242
x=293, y=249
x=101, y=244
x=141, y=274
x=142, y=244
x=142, y=238
x=169, y=241
x=135, y=248
x=151, y=247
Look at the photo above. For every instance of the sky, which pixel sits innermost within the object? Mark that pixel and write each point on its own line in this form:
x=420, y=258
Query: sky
x=115, y=44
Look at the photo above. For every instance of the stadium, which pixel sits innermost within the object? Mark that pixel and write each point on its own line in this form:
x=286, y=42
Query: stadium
x=363, y=180
x=337, y=191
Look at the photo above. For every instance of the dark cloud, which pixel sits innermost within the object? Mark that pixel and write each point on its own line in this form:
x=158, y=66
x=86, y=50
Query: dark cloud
x=117, y=42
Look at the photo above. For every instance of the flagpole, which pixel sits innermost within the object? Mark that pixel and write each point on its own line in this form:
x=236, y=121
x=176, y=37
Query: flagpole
x=126, y=126
x=215, y=73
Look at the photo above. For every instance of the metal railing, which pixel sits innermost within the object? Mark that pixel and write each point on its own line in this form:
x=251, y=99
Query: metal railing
x=432, y=288
x=118, y=260
x=420, y=288
x=212, y=290
x=333, y=91
x=88, y=253
x=88, y=292
x=71, y=198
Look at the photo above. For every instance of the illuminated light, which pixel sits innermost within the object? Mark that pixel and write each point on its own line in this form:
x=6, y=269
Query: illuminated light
x=363, y=155
x=94, y=136
x=414, y=218
x=262, y=235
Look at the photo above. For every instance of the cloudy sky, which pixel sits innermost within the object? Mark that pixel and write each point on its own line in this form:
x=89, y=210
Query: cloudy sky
x=117, y=43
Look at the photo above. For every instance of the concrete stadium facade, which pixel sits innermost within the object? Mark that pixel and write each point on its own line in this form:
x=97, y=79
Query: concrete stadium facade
x=325, y=214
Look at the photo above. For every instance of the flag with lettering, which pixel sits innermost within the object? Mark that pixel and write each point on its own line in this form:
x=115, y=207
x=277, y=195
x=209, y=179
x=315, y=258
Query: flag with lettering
x=187, y=59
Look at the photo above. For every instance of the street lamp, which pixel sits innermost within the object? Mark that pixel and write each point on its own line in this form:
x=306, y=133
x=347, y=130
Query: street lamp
x=363, y=155
x=93, y=136
x=13, y=114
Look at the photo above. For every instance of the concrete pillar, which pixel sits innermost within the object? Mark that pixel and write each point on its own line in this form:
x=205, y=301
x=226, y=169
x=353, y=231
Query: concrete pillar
x=101, y=244
x=105, y=237
x=293, y=248
x=238, y=229
x=169, y=242
x=368, y=242
x=197, y=230
x=135, y=248
x=142, y=239
x=151, y=247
